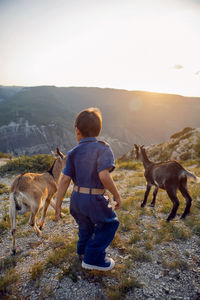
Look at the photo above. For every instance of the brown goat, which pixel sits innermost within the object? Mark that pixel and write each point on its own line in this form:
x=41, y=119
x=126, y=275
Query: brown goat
x=32, y=190
x=169, y=176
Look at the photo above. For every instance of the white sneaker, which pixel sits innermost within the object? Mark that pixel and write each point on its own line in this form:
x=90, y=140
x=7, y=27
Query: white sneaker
x=108, y=265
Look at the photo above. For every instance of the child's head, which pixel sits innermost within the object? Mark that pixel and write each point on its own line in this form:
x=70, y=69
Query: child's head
x=89, y=122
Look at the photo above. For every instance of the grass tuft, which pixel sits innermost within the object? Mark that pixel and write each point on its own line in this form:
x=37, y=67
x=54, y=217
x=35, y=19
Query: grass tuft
x=6, y=280
x=170, y=232
x=72, y=271
x=64, y=253
x=176, y=264
x=36, y=270
x=140, y=255
x=119, y=291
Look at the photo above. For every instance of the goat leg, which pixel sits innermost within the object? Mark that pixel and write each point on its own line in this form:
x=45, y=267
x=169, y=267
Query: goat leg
x=146, y=195
x=154, y=197
x=46, y=205
x=174, y=199
x=52, y=203
x=32, y=220
x=14, y=241
x=186, y=195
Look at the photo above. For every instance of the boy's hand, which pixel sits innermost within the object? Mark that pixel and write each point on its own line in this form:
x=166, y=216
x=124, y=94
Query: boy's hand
x=118, y=202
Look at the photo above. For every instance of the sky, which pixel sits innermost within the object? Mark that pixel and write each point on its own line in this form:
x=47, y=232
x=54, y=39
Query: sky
x=149, y=45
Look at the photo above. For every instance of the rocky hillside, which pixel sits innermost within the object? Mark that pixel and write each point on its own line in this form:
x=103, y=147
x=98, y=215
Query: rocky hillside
x=183, y=145
x=37, y=119
x=154, y=259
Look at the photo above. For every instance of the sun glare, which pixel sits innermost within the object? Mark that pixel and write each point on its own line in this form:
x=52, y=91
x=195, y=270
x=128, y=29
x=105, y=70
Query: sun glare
x=147, y=45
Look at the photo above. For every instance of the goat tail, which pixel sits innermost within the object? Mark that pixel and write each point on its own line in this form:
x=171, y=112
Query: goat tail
x=12, y=215
x=189, y=174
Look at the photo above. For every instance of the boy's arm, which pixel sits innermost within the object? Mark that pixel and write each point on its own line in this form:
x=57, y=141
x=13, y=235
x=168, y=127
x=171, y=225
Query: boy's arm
x=109, y=184
x=63, y=186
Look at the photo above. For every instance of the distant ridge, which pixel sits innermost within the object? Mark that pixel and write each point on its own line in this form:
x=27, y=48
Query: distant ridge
x=37, y=119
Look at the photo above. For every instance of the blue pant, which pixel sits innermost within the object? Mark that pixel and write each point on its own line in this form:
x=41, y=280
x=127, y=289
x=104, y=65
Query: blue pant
x=97, y=225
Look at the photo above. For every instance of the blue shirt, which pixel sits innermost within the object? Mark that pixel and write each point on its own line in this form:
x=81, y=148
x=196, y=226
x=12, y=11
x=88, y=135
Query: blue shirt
x=86, y=160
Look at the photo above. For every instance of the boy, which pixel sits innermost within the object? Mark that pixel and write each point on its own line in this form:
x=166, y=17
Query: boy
x=89, y=165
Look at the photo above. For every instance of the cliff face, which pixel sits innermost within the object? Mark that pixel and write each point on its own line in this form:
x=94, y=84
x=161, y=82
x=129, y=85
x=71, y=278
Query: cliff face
x=23, y=138
x=38, y=119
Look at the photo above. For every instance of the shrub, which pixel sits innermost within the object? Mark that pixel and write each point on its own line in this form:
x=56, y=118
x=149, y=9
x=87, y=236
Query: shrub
x=5, y=155
x=3, y=188
x=185, y=156
x=180, y=133
x=197, y=148
x=36, y=163
x=128, y=165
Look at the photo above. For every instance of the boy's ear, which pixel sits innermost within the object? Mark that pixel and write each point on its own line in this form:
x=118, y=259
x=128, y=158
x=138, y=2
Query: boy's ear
x=78, y=132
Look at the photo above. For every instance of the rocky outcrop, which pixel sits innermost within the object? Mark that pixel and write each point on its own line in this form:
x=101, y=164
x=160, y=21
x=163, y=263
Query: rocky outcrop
x=182, y=145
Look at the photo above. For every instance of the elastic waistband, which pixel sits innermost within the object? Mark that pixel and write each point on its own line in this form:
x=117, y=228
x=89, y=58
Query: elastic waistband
x=85, y=190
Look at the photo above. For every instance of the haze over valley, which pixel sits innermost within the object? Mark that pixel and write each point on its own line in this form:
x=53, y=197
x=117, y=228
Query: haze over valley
x=38, y=119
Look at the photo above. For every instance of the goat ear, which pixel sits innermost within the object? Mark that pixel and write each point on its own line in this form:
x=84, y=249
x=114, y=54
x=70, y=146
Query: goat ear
x=142, y=146
x=136, y=147
x=59, y=153
x=53, y=153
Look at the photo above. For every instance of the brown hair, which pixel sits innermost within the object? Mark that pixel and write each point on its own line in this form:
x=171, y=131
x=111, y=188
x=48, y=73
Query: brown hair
x=89, y=122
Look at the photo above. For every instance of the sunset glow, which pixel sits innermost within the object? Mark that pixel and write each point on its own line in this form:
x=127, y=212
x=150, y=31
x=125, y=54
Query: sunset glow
x=135, y=45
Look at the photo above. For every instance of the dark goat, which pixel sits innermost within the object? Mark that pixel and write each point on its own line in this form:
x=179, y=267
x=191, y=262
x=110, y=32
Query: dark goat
x=169, y=176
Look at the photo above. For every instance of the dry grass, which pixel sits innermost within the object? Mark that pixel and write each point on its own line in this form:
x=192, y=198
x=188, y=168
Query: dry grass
x=119, y=291
x=8, y=279
x=36, y=270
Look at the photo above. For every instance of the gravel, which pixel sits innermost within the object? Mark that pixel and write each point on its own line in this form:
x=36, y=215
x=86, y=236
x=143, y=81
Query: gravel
x=159, y=282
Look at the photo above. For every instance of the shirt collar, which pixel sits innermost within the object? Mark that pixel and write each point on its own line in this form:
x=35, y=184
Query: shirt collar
x=88, y=139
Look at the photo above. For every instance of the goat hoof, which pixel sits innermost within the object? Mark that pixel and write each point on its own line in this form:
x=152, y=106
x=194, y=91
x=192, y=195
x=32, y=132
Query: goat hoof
x=13, y=252
x=152, y=205
x=40, y=227
x=182, y=217
x=142, y=205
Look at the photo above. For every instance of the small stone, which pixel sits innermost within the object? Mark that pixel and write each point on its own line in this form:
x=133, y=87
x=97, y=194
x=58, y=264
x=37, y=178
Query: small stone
x=166, y=289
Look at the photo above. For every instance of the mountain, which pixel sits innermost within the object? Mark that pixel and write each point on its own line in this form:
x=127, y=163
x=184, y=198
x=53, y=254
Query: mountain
x=38, y=119
x=183, y=145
